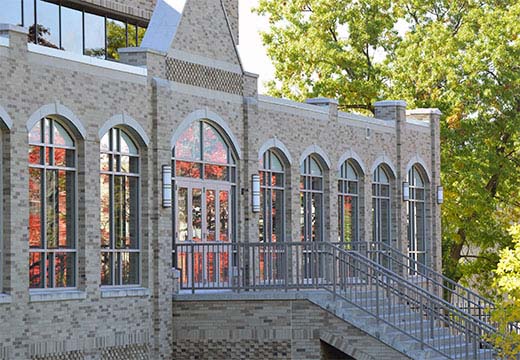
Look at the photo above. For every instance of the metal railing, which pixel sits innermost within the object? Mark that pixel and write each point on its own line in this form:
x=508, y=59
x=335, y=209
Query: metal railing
x=380, y=289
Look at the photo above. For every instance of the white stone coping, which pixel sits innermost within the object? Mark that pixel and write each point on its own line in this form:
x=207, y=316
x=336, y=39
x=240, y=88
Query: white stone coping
x=363, y=120
x=4, y=41
x=5, y=299
x=428, y=111
x=322, y=101
x=227, y=295
x=292, y=104
x=384, y=103
x=423, y=123
x=87, y=60
x=15, y=28
x=56, y=295
x=119, y=292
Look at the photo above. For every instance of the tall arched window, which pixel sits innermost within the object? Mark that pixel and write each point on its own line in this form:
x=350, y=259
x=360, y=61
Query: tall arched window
x=52, y=206
x=119, y=215
x=205, y=201
x=348, y=203
x=272, y=185
x=381, y=206
x=311, y=199
x=417, y=216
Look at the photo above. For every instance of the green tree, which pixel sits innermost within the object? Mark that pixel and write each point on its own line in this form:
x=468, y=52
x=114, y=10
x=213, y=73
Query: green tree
x=456, y=55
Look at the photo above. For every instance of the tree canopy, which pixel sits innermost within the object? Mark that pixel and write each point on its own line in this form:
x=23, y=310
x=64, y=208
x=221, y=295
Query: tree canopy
x=460, y=56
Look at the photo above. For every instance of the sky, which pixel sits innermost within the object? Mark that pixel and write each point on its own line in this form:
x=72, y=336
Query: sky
x=252, y=52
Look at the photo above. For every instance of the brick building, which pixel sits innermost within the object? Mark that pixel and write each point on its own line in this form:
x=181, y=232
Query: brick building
x=102, y=103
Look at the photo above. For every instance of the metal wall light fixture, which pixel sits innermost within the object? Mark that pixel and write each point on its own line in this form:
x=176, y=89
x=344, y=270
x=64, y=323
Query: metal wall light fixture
x=167, y=186
x=440, y=194
x=406, y=191
x=255, y=193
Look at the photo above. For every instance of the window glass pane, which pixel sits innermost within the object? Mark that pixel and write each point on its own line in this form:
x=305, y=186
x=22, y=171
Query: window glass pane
x=52, y=208
x=130, y=268
x=132, y=35
x=105, y=142
x=66, y=188
x=35, y=203
x=215, y=148
x=215, y=172
x=35, y=155
x=116, y=38
x=48, y=24
x=28, y=18
x=106, y=268
x=35, y=136
x=71, y=30
x=277, y=216
x=224, y=216
x=182, y=204
x=127, y=145
x=385, y=221
x=140, y=35
x=11, y=12
x=61, y=136
x=317, y=183
x=315, y=168
x=64, y=157
x=276, y=164
x=383, y=178
x=211, y=214
x=64, y=269
x=187, y=169
x=316, y=216
x=351, y=173
x=188, y=145
x=94, y=35
x=196, y=208
x=105, y=210
x=35, y=270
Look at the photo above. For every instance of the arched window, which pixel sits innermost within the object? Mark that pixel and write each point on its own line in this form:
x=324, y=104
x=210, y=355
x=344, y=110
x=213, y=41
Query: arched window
x=311, y=199
x=205, y=202
x=119, y=215
x=417, y=216
x=348, y=203
x=381, y=206
x=52, y=206
x=272, y=185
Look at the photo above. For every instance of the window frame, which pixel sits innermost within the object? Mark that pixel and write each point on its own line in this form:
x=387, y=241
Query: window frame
x=306, y=197
x=267, y=171
x=112, y=248
x=343, y=192
x=412, y=214
x=44, y=250
x=377, y=199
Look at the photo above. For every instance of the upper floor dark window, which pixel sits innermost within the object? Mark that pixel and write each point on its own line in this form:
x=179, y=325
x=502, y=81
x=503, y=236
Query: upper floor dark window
x=69, y=28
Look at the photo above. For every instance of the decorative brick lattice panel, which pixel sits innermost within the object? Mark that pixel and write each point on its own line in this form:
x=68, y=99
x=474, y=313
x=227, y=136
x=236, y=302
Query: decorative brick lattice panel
x=203, y=76
x=223, y=349
x=73, y=355
x=130, y=352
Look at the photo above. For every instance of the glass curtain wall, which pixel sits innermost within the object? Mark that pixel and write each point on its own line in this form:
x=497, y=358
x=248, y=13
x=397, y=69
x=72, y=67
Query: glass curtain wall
x=72, y=28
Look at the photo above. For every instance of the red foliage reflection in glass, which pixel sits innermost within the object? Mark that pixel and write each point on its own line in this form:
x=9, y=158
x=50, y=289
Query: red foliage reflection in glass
x=35, y=279
x=35, y=239
x=187, y=169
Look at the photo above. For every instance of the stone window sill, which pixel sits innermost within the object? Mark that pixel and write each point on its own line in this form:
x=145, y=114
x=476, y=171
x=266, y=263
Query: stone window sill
x=5, y=299
x=56, y=295
x=114, y=292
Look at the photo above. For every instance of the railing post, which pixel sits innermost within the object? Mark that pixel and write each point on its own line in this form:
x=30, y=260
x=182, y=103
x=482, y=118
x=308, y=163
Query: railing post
x=377, y=295
x=286, y=266
x=192, y=268
x=240, y=274
x=334, y=270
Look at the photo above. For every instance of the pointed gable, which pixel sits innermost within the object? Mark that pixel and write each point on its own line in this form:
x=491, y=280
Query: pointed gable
x=204, y=30
x=196, y=27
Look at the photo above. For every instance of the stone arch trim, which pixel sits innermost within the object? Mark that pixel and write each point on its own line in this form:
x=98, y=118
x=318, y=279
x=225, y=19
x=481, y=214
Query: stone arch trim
x=205, y=114
x=417, y=160
x=127, y=121
x=276, y=144
x=351, y=154
x=384, y=160
x=6, y=120
x=60, y=110
x=315, y=149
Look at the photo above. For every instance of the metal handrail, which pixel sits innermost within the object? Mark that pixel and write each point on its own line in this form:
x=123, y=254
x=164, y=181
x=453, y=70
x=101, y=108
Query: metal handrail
x=349, y=275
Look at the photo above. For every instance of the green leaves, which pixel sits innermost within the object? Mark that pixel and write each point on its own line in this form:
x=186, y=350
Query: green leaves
x=460, y=56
